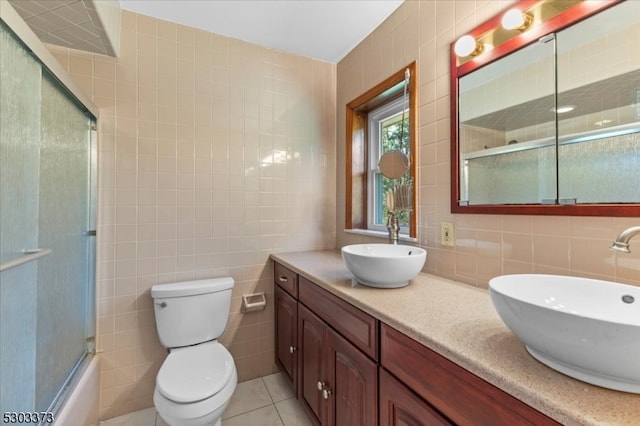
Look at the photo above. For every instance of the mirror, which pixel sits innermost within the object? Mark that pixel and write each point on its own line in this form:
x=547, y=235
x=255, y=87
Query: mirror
x=548, y=122
x=393, y=164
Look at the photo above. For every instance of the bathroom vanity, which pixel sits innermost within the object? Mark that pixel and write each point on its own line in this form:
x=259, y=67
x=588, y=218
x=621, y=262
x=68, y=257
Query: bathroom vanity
x=434, y=352
x=328, y=349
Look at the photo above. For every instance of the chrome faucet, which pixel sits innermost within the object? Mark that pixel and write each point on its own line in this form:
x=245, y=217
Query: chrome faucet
x=621, y=243
x=393, y=227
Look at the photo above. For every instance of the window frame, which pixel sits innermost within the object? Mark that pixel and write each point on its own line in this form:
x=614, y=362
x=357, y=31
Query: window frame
x=357, y=149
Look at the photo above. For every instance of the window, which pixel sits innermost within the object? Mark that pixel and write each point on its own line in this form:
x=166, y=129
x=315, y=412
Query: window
x=388, y=129
x=374, y=123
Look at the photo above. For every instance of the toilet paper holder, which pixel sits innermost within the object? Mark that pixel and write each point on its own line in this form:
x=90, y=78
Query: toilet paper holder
x=253, y=302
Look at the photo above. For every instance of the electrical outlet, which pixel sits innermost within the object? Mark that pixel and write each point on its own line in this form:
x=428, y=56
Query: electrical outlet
x=446, y=234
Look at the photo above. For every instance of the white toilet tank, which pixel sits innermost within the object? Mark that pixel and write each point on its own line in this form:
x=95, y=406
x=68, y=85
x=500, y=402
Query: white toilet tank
x=191, y=312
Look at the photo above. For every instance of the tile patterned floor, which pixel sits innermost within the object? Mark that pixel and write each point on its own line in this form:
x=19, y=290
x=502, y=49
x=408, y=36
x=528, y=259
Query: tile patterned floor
x=266, y=401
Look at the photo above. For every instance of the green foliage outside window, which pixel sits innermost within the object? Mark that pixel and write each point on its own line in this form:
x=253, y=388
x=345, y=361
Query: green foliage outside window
x=392, y=130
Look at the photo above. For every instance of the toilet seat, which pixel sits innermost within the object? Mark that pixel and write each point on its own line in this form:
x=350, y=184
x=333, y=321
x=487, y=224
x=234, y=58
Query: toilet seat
x=195, y=373
x=206, y=412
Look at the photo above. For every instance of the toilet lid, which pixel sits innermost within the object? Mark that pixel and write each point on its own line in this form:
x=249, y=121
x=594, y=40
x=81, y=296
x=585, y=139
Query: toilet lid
x=195, y=373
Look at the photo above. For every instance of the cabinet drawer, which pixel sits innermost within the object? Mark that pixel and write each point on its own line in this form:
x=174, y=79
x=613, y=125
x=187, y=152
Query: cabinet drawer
x=400, y=406
x=460, y=395
x=360, y=328
x=286, y=278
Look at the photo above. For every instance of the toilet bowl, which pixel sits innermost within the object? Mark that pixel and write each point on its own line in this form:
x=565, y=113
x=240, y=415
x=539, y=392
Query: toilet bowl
x=194, y=385
x=198, y=377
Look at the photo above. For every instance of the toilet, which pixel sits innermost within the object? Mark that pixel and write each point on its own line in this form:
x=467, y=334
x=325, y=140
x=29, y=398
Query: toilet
x=198, y=377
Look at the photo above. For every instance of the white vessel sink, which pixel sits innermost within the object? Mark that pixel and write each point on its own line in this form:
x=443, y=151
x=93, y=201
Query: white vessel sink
x=587, y=329
x=384, y=265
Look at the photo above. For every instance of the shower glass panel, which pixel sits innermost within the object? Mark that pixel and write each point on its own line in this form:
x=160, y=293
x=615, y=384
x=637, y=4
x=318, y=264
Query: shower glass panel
x=20, y=76
x=62, y=226
x=46, y=172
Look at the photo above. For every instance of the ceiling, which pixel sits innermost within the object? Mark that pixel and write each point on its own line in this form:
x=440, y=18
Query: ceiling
x=321, y=29
x=70, y=23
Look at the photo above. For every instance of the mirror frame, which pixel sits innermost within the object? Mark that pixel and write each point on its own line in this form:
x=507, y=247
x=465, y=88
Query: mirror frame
x=569, y=17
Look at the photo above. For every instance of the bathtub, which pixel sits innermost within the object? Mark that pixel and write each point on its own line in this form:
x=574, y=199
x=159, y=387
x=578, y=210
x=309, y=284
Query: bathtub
x=82, y=406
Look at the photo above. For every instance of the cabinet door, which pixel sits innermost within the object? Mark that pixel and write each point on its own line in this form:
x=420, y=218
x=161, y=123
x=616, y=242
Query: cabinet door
x=286, y=308
x=399, y=406
x=312, y=338
x=351, y=391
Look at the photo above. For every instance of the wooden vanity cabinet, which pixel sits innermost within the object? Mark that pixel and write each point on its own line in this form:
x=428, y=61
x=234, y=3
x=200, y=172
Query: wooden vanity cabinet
x=328, y=350
x=348, y=369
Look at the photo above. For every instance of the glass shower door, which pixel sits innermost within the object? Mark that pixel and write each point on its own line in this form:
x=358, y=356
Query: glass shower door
x=62, y=226
x=46, y=309
x=20, y=77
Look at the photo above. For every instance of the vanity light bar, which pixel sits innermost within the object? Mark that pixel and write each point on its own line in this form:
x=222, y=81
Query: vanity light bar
x=513, y=19
x=512, y=23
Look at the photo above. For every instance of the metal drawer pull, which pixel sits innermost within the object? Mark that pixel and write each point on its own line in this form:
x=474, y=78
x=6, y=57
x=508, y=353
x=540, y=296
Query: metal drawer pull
x=292, y=349
x=326, y=393
x=283, y=279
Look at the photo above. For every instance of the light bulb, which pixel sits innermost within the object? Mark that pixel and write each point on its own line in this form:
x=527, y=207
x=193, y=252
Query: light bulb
x=514, y=19
x=467, y=46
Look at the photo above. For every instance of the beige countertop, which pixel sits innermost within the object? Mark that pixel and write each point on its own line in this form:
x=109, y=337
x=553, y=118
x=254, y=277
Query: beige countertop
x=459, y=322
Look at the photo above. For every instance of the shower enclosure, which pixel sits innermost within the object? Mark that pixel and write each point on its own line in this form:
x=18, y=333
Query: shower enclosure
x=47, y=242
